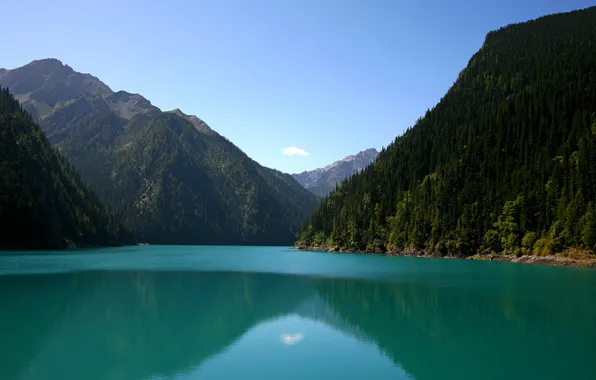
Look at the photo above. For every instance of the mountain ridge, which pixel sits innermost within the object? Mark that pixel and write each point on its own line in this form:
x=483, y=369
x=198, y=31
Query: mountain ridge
x=175, y=179
x=322, y=181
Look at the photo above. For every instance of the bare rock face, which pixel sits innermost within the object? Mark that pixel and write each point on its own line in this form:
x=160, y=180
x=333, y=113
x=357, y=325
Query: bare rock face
x=322, y=181
x=43, y=85
x=127, y=105
x=47, y=86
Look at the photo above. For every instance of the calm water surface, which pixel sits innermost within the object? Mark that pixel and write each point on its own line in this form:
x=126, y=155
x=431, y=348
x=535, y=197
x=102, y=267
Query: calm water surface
x=160, y=312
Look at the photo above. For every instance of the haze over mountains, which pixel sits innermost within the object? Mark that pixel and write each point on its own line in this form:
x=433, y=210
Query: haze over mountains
x=174, y=179
x=324, y=180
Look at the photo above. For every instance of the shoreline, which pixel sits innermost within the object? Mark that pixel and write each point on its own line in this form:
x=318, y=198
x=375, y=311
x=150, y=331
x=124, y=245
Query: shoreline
x=548, y=260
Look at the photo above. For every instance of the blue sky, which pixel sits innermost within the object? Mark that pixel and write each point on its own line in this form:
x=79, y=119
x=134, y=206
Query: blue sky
x=329, y=77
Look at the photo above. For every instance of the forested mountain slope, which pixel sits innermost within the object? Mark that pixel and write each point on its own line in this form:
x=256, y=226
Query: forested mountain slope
x=174, y=179
x=506, y=161
x=179, y=186
x=43, y=202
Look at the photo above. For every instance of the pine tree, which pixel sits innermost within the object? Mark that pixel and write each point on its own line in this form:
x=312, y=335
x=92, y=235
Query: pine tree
x=506, y=161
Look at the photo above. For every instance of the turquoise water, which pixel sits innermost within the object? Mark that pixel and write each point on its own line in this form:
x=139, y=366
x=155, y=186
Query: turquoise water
x=158, y=312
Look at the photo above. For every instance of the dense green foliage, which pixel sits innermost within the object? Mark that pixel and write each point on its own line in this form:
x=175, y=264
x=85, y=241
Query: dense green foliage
x=174, y=179
x=177, y=184
x=43, y=203
x=505, y=162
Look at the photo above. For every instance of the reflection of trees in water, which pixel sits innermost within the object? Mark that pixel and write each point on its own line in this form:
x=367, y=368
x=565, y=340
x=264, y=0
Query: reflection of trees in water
x=31, y=309
x=436, y=331
x=134, y=324
x=139, y=324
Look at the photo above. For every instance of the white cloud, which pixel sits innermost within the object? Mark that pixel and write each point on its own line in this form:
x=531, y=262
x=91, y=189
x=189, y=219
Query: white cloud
x=293, y=151
x=291, y=339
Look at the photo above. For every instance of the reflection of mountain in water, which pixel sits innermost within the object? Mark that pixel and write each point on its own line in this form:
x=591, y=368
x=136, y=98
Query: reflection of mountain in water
x=316, y=309
x=136, y=325
x=132, y=325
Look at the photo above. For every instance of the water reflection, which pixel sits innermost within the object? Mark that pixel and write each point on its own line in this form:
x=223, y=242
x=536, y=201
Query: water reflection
x=137, y=325
x=439, y=332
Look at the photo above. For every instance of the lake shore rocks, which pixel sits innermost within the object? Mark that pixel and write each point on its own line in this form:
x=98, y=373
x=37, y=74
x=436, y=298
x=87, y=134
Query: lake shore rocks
x=550, y=260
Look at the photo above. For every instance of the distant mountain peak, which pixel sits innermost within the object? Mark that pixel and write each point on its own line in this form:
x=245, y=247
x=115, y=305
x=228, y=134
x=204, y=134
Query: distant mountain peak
x=49, y=67
x=48, y=62
x=367, y=156
x=323, y=180
x=45, y=84
x=54, y=61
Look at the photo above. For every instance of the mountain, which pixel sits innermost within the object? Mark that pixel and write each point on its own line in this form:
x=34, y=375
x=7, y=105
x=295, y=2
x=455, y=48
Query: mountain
x=174, y=179
x=505, y=162
x=44, y=85
x=43, y=202
x=323, y=181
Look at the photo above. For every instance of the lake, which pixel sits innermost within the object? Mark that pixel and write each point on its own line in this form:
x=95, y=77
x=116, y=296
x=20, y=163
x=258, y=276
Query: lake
x=157, y=312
